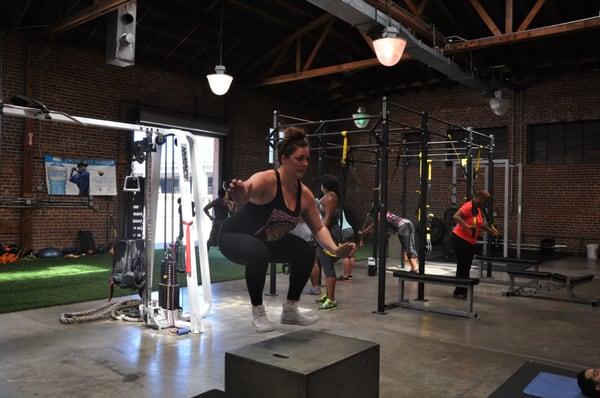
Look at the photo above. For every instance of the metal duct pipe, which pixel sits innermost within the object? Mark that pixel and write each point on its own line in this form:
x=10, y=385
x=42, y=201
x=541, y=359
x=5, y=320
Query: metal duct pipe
x=365, y=17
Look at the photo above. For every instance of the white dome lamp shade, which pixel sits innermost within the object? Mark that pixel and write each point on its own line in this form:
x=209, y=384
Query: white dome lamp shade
x=219, y=81
x=499, y=105
x=389, y=48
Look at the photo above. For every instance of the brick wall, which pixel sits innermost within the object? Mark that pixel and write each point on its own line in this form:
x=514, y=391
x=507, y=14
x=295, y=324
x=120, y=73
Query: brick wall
x=78, y=82
x=561, y=201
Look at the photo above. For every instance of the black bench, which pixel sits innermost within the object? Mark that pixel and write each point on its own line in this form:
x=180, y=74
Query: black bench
x=542, y=283
x=212, y=394
x=467, y=283
x=508, y=262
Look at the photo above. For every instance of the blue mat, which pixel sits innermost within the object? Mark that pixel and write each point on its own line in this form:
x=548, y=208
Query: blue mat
x=550, y=385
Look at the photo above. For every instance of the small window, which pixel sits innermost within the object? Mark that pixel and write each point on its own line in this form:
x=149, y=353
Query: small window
x=564, y=143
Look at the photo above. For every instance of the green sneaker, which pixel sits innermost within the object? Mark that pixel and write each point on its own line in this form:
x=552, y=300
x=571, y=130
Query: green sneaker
x=328, y=304
x=321, y=299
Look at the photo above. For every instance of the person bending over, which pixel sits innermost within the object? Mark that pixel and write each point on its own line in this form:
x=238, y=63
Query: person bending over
x=347, y=262
x=222, y=207
x=406, y=234
x=258, y=233
x=470, y=221
x=589, y=382
x=329, y=207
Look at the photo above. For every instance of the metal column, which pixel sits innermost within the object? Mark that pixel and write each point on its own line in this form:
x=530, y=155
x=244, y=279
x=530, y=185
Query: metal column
x=490, y=187
x=383, y=189
x=275, y=141
x=469, y=183
x=506, y=199
x=519, y=207
x=423, y=201
x=376, y=199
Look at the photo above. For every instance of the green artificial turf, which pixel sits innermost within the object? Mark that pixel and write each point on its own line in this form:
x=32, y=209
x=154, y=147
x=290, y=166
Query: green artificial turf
x=46, y=282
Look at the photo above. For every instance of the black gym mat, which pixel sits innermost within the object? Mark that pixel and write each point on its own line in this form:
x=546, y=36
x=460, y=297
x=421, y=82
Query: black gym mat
x=513, y=387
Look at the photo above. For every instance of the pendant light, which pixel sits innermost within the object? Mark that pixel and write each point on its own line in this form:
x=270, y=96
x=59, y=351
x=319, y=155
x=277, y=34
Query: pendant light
x=389, y=47
x=361, y=118
x=219, y=81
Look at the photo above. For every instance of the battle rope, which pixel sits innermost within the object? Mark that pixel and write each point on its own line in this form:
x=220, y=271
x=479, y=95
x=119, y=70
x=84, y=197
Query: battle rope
x=127, y=310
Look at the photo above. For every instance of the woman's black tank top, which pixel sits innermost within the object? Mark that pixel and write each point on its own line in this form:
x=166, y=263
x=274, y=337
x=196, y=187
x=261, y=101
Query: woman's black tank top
x=268, y=222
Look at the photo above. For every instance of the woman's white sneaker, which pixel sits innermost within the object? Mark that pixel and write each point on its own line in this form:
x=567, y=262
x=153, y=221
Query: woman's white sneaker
x=291, y=316
x=260, y=321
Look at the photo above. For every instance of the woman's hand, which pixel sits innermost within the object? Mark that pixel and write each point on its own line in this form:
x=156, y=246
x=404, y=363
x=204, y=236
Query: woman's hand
x=345, y=250
x=492, y=229
x=238, y=191
x=361, y=242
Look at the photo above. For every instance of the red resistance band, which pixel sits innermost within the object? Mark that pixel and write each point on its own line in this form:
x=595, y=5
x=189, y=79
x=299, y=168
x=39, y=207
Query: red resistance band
x=188, y=246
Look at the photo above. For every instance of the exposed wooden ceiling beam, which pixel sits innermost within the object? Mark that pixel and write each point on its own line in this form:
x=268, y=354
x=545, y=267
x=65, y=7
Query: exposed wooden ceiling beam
x=17, y=14
x=192, y=31
x=318, y=45
x=327, y=70
x=88, y=14
x=422, y=8
x=275, y=64
x=306, y=28
x=264, y=15
x=349, y=42
x=298, y=53
x=517, y=37
x=195, y=28
x=367, y=39
x=420, y=27
x=534, y=10
x=485, y=17
x=197, y=52
x=508, y=19
x=413, y=7
x=441, y=7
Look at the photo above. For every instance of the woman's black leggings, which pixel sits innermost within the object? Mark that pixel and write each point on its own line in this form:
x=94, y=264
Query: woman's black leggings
x=463, y=251
x=256, y=255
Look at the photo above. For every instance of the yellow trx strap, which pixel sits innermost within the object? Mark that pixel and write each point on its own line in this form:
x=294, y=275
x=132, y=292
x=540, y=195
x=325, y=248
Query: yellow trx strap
x=453, y=147
x=330, y=254
x=494, y=229
x=345, y=147
x=429, y=164
x=477, y=162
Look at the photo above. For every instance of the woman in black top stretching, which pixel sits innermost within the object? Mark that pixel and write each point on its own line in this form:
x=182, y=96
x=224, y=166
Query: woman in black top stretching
x=258, y=233
x=222, y=207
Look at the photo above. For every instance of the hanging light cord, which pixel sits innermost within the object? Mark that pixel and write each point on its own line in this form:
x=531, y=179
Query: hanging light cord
x=387, y=5
x=220, y=38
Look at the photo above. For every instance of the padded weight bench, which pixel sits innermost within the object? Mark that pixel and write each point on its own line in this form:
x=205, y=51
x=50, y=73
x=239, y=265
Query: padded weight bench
x=507, y=261
x=467, y=283
x=541, y=283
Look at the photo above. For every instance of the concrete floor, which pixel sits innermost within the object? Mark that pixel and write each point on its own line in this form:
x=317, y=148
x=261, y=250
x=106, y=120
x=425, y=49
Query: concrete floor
x=422, y=354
